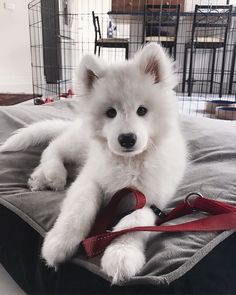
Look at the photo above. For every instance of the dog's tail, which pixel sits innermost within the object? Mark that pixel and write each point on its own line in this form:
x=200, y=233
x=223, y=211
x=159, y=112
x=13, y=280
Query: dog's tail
x=37, y=133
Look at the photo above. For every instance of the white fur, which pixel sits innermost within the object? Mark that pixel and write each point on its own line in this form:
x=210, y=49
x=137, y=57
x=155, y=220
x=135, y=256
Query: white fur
x=155, y=166
x=34, y=134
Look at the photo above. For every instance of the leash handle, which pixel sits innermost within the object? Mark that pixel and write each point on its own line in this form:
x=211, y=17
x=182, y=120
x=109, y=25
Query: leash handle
x=223, y=218
x=106, y=218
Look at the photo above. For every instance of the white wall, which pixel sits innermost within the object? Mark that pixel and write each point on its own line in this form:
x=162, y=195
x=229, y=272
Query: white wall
x=15, y=60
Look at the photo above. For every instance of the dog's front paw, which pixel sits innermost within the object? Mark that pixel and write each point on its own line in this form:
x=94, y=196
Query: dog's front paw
x=57, y=248
x=37, y=180
x=121, y=262
x=56, y=178
x=43, y=178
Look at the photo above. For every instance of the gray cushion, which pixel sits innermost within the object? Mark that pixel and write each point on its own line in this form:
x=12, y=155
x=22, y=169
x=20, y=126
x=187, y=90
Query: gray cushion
x=211, y=171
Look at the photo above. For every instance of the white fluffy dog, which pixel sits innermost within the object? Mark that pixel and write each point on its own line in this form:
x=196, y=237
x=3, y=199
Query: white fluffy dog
x=128, y=135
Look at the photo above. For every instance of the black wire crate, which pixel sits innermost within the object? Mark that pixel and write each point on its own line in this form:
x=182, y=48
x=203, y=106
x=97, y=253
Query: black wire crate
x=53, y=26
x=199, y=35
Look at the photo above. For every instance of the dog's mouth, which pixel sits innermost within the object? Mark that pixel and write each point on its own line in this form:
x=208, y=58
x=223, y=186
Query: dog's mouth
x=128, y=150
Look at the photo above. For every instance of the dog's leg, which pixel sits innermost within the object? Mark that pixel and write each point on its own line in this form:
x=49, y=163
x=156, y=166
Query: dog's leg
x=74, y=222
x=51, y=172
x=125, y=256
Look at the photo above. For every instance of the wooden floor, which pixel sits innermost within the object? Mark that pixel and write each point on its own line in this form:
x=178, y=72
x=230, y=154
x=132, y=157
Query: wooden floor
x=7, y=99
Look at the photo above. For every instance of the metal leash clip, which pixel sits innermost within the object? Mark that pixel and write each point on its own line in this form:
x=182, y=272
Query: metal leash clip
x=191, y=197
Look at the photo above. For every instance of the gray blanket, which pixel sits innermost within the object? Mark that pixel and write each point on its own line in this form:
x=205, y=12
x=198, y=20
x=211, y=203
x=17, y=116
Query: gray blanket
x=211, y=171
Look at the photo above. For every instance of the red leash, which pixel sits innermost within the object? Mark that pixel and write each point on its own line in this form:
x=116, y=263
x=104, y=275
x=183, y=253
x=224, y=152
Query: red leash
x=223, y=218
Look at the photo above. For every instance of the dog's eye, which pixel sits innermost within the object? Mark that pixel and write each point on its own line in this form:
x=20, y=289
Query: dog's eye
x=111, y=113
x=141, y=111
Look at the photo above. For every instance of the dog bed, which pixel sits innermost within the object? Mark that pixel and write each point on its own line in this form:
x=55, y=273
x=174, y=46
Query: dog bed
x=177, y=263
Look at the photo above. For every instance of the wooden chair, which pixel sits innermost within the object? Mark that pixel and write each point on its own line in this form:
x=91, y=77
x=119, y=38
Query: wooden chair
x=107, y=42
x=161, y=24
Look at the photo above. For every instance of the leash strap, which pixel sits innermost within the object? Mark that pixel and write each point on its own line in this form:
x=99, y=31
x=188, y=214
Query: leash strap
x=223, y=218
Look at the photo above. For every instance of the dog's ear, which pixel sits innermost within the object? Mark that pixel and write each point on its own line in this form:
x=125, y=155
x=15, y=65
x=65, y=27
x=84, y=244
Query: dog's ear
x=153, y=60
x=90, y=70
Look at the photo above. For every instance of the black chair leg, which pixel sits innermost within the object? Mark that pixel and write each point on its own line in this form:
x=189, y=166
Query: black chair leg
x=213, y=69
x=184, y=69
x=222, y=72
x=99, y=50
x=127, y=51
x=190, y=82
x=232, y=70
x=95, y=49
x=170, y=51
x=175, y=52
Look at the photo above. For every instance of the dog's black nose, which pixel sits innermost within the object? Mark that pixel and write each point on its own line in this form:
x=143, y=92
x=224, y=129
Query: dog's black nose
x=127, y=140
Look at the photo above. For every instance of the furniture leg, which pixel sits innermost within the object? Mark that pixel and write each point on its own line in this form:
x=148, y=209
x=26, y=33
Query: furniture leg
x=213, y=69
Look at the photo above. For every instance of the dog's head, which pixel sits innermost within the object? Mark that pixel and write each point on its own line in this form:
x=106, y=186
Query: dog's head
x=129, y=106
